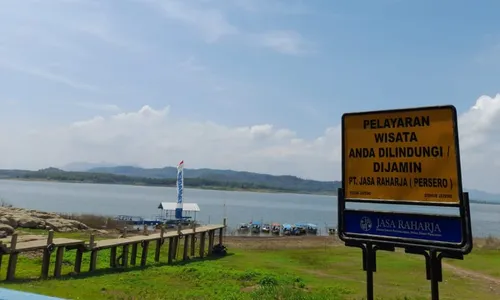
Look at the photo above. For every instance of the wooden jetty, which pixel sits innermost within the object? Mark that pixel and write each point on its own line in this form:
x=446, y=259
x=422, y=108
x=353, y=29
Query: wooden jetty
x=129, y=245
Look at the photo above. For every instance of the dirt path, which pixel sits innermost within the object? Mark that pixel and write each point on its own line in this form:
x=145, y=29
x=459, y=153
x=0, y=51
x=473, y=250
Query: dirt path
x=276, y=243
x=490, y=283
x=472, y=274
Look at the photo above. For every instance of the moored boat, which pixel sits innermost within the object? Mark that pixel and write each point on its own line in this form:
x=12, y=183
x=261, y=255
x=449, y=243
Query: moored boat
x=243, y=228
x=266, y=228
x=287, y=229
x=299, y=229
x=256, y=227
x=275, y=228
x=311, y=229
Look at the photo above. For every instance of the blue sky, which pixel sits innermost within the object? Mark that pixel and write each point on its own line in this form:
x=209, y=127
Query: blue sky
x=296, y=65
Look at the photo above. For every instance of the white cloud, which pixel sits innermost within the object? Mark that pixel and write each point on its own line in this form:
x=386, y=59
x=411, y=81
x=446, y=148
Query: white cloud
x=213, y=24
x=97, y=24
x=286, y=7
x=210, y=22
x=36, y=37
x=489, y=56
x=283, y=41
x=47, y=75
x=192, y=65
x=480, y=143
x=156, y=137
x=99, y=106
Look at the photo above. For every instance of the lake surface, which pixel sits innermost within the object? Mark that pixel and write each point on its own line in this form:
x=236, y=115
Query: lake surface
x=239, y=206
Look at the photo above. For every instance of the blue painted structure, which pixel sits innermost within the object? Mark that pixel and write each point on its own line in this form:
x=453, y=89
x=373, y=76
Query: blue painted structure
x=136, y=220
x=180, y=190
x=409, y=226
x=166, y=215
x=6, y=294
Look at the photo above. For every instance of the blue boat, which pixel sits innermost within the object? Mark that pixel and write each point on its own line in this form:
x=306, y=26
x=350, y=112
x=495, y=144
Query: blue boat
x=287, y=229
x=312, y=229
x=307, y=228
x=256, y=227
x=299, y=229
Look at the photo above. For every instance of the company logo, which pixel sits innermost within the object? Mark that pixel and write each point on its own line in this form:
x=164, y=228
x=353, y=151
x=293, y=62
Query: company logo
x=365, y=224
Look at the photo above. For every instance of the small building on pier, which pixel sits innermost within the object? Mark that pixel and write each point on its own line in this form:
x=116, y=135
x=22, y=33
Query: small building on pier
x=167, y=211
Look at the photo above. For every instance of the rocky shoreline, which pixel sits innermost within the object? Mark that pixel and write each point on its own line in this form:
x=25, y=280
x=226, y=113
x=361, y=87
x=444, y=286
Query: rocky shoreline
x=12, y=218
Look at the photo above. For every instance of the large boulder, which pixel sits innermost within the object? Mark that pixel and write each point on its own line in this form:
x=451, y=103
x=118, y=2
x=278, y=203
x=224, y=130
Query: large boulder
x=9, y=219
x=5, y=220
x=43, y=215
x=23, y=220
x=26, y=221
x=65, y=225
x=13, y=218
x=6, y=229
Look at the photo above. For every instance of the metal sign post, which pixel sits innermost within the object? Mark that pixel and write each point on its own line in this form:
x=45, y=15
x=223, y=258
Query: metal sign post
x=408, y=157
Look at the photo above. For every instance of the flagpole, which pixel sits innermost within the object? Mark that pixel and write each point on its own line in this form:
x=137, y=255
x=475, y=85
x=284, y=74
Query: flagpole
x=180, y=190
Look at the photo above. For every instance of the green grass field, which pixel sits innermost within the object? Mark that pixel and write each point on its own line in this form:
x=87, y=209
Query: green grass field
x=324, y=272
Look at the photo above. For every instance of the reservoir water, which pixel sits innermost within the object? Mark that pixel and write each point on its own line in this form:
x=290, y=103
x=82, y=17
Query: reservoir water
x=237, y=206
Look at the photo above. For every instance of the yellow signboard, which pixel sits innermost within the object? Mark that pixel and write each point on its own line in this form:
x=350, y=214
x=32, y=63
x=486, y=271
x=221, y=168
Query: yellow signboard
x=402, y=155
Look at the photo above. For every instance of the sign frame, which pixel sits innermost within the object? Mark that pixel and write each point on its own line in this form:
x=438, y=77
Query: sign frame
x=407, y=202
x=464, y=247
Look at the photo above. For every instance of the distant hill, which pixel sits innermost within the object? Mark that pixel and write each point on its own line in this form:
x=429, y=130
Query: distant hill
x=478, y=195
x=205, y=179
x=197, y=178
x=84, y=166
x=283, y=182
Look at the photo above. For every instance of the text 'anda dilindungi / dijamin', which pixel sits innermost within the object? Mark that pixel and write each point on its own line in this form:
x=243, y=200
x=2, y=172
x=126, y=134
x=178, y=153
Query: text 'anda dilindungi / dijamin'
x=403, y=147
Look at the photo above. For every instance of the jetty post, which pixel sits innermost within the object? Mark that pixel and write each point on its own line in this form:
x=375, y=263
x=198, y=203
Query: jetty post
x=59, y=260
x=93, y=254
x=144, y=254
x=159, y=243
x=170, y=249
x=78, y=259
x=125, y=253
x=202, y=244
x=11, y=268
x=211, y=238
x=186, y=247
x=46, y=255
x=222, y=231
x=176, y=240
x=133, y=254
x=193, y=239
x=112, y=257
